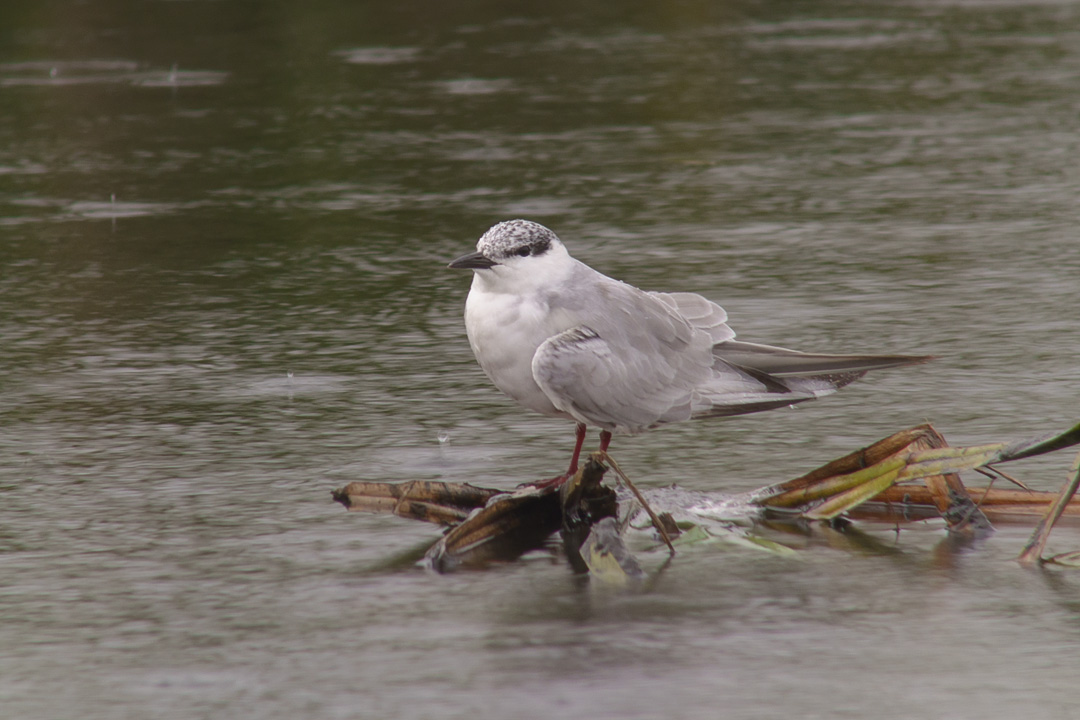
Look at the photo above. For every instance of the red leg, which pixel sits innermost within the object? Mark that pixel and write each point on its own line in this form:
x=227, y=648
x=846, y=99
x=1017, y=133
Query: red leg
x=560, y=479
x=580, y=432
x=605, y=440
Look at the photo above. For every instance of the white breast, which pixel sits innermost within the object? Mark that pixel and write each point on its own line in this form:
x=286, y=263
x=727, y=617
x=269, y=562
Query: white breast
x=504, y=330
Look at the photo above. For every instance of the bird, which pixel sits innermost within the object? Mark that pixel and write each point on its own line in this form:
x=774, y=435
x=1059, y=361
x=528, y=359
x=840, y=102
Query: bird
x=567, y=341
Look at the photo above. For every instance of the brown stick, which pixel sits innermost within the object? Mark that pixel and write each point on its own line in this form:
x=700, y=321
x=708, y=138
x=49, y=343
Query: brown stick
x=1032, y=553
x=640, y=498
x=988, y=499
x=860, y=459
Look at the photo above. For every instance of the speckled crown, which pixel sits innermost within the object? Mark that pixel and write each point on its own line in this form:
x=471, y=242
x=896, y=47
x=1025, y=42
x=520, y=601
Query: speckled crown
x=509, y=237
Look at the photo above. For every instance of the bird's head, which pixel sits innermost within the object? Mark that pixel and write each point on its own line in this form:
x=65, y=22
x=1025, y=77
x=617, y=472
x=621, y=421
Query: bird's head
x=521, y=252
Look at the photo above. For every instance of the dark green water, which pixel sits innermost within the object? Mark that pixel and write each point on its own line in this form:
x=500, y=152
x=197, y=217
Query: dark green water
x=223, y=233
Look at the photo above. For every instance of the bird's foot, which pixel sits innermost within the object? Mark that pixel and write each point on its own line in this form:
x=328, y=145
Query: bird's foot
x=554, y=482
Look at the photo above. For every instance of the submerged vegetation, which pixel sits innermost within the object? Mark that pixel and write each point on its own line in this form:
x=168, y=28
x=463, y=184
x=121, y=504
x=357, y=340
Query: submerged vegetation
x=910, y=476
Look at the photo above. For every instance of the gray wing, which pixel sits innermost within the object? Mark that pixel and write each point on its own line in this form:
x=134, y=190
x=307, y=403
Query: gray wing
x=642, y=363
x=700, y=312
x=585, y=376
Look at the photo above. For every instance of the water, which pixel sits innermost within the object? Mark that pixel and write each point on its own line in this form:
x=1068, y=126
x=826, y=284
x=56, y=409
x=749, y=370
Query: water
x=223, y=231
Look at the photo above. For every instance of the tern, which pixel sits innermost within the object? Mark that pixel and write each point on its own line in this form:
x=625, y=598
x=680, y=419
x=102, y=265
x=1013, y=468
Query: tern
x=567, y=341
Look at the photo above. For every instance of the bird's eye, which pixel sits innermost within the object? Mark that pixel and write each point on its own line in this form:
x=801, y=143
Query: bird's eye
x=523, y=251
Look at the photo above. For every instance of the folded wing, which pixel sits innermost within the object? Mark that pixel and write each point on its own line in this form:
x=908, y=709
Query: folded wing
x=655, y=358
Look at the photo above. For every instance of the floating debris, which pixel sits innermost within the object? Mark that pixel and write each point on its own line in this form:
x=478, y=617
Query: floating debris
x=1032, y=554
x=912, y=475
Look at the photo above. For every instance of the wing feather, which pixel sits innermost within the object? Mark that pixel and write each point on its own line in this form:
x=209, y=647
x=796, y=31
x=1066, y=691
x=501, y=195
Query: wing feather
x=700, y=312
x=641, y=363
x=585, y=377
x=636, y=360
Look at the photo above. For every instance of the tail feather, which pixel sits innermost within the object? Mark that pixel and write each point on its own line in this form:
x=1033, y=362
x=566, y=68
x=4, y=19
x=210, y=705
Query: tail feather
x=783, y=363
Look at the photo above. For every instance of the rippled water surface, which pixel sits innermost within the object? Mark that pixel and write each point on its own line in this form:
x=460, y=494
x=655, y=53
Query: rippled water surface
x=223, y=236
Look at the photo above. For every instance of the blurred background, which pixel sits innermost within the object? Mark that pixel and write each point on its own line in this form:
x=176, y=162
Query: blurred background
x=223, y=235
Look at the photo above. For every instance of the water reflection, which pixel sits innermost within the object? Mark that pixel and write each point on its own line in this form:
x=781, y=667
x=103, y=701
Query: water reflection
x=85, y=72
x=379, y=55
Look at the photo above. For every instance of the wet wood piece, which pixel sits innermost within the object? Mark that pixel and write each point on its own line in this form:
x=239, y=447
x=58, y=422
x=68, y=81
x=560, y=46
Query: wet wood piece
x=430, y=501
x=510, y=525
x=881, y=463
x=857, y=460
x=489, y=525
x=584, y=502
x=995, y=503
x=1032, y=553
x=951, y=498
x=822, y=494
